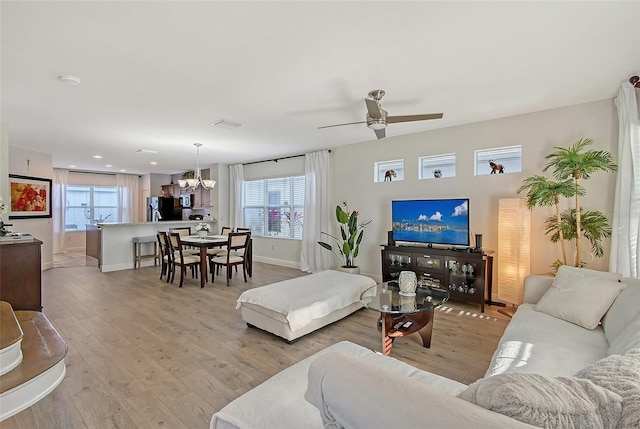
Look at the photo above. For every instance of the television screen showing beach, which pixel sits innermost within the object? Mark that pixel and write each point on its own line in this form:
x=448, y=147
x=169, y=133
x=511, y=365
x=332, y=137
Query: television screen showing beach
x=432, y=221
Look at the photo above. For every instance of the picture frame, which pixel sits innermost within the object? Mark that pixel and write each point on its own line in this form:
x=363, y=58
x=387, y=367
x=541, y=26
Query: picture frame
x=30, y=197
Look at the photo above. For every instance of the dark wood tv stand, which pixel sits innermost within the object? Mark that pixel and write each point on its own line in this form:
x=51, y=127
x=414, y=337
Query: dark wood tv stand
x=461, y=272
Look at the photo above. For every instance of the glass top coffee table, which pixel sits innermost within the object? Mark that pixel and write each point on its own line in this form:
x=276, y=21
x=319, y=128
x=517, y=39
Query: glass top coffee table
x=403, y=315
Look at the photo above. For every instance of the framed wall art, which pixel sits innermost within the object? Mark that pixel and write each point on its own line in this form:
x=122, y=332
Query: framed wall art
x=30, y=197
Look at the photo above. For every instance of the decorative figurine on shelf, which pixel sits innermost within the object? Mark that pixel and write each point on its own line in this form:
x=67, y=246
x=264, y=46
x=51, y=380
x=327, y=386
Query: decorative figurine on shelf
x=389, y=174
x=496, y=167
x=437, y=173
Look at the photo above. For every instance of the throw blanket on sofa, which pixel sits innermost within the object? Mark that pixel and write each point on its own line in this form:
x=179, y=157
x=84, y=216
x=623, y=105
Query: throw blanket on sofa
x=303, y=299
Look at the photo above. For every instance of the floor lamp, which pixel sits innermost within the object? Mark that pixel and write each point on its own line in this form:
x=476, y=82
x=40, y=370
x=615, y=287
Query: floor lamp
x=514, y=249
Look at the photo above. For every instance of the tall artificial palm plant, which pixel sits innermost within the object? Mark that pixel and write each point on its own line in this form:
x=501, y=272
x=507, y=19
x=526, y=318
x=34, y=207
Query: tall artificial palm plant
x=543, y=192
x=577, y=163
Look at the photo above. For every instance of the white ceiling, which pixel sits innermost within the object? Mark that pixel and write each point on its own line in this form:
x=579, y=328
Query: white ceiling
x=156, y=74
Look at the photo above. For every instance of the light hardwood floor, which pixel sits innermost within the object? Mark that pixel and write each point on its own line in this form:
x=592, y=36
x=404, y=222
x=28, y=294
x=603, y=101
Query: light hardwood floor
x=146, y=354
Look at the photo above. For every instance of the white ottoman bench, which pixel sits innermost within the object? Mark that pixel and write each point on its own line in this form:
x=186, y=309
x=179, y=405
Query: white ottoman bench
x=296, y=307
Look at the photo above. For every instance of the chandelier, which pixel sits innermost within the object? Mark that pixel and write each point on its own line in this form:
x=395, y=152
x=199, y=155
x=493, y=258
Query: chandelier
x=197, y=180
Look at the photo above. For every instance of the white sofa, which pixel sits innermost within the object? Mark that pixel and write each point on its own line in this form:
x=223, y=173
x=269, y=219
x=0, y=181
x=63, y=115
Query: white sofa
x=353, y=387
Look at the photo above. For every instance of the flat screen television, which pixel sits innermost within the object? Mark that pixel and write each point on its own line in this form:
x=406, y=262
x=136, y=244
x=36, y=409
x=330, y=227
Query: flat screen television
x=442, y=222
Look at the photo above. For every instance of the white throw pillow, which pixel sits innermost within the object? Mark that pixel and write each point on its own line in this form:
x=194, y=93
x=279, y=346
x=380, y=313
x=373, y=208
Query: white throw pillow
x=619, y=374
x=547, y=402
x=580, y=296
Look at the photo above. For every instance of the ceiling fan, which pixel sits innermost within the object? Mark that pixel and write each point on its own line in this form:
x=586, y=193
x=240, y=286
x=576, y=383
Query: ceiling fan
x=377, y=118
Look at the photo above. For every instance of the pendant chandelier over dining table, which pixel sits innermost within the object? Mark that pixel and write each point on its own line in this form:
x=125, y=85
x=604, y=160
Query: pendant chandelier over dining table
x=197, y=180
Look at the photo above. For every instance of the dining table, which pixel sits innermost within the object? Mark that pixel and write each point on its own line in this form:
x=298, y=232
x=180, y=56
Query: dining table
x=211, y=241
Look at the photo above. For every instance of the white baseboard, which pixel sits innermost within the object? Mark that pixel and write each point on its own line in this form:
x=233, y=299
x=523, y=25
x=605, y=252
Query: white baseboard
x=279, y=262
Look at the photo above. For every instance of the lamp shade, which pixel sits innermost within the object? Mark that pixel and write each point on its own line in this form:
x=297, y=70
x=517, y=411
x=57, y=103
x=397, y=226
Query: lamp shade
x=514, y=248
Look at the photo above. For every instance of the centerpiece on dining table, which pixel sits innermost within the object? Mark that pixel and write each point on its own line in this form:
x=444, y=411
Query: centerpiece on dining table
x=203, y=229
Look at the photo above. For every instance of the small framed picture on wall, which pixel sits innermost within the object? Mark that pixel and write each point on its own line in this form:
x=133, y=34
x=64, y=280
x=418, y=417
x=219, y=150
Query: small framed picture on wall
x=30, y=197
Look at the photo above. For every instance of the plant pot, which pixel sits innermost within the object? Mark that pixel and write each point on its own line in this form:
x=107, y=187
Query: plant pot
x=349, y=270
x=202, y=234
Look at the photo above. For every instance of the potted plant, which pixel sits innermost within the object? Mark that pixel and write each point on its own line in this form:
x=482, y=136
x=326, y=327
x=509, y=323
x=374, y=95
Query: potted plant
x=437, y=173
x=348, y=244
x=569, y=167
x=203, y=229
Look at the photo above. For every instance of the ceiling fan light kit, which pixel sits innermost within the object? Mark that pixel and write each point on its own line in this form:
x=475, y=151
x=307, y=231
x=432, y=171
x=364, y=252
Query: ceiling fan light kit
x=377, y=117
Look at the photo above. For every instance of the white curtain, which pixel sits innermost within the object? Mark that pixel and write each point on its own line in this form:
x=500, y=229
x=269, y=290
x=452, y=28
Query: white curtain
x=236, y=179
x=59, y=195
x=128, y=189
x=626, y=211
x=317, y=213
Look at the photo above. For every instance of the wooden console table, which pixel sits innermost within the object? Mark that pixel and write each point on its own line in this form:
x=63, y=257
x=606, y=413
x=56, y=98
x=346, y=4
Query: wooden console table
x=20, y=274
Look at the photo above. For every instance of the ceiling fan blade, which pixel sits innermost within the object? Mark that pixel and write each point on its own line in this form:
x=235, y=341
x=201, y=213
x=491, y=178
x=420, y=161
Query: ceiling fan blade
x=340, y=125
x=380, y=134
x=374, y=109
x=410, y=118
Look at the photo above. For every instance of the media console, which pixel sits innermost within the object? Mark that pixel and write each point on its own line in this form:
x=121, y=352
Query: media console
x=463, y=273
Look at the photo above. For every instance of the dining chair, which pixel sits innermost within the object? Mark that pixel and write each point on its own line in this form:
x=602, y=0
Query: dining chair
x=236, y=246
x=221, y=250
x=184, y=231
x=165, y=254
x=181, y=259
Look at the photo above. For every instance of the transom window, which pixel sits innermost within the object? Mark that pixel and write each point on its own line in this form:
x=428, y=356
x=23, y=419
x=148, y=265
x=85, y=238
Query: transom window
x=274, y=207
x=507, y=159
x=90, y=204
x=388, y=170
x=435, y=166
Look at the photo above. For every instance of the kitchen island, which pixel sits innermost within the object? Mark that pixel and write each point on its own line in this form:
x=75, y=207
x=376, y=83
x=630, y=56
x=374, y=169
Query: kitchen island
x=116, y=245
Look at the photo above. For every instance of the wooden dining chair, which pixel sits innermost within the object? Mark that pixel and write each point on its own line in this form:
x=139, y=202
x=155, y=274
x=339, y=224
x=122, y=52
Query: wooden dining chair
x=184, y=231
x=166, y=257
x=181, y=259
x=236, y=246
x=222, y=249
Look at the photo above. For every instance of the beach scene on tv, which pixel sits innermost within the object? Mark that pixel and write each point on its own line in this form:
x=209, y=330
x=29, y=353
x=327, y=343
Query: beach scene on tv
x=431, y=221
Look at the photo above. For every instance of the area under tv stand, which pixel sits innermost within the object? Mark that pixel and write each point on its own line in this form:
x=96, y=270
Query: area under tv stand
x=464, y=274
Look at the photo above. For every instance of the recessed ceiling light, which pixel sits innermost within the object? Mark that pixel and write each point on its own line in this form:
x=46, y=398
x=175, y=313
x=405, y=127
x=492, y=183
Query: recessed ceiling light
x=153, y=163
x=97, y=156
x=108, y=165
x=73, y=166
x=123, y=171
x=68, y=79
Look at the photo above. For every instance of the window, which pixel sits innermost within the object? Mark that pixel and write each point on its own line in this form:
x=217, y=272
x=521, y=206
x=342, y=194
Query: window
x=506, y=159
x=430, y=167
x=274, y=207
x=388, y=171
x=90, y=204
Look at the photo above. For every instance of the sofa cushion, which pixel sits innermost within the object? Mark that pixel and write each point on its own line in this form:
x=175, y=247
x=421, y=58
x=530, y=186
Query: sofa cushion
x=623, y=311
x=626, y=340
x=543, y=344
x=580, y=296
x=619, y=374
x=351, y=393
x=547, y=402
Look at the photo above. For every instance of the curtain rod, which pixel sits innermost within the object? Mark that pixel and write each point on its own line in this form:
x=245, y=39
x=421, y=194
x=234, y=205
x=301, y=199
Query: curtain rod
x=278, y=159
x=101, y=173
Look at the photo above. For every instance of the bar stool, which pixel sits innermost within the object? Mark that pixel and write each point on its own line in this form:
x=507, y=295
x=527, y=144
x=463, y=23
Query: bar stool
x=137, y=250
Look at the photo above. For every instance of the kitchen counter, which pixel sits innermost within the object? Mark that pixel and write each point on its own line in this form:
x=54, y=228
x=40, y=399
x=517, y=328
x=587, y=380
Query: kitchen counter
x=116, y=245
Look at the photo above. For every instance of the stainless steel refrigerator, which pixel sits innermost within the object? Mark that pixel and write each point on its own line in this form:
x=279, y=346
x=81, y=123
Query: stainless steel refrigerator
x=163, y=208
